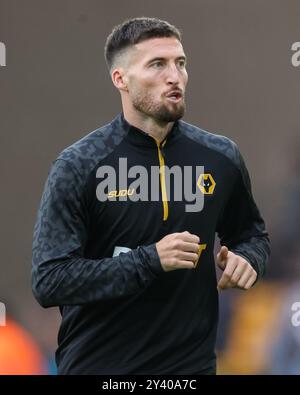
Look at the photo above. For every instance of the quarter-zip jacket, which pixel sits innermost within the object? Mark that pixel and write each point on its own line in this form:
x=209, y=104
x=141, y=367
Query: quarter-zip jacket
x=124, y=314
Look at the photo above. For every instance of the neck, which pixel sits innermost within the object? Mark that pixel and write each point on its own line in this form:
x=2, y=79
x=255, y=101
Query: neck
x=157, y=130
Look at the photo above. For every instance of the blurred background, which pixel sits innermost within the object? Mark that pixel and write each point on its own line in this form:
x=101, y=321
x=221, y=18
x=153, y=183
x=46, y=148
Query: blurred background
x=55, y=88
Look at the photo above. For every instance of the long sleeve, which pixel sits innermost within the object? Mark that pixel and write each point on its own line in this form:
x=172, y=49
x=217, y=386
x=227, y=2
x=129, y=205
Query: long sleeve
x=241, y=227
x=60, y=273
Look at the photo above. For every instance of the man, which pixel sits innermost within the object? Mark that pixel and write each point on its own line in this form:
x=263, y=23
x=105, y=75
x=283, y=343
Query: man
x=135, y=278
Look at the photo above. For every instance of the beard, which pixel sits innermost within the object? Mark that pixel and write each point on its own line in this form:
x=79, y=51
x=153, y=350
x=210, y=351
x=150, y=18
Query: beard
x=161, y=112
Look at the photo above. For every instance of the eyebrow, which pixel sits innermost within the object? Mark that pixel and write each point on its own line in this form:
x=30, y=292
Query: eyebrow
x=163, y=59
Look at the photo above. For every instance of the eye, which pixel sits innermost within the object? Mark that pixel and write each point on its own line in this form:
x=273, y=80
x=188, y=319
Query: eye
x=181, y=63
x=158, y=64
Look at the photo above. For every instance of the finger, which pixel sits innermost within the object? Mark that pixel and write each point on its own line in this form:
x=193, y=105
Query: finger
x=223, y=253
x=222, y=284
x=227, y=274
x=245, y=277
x=182, y=264
x=240, y=269
x=222, y=257
x=190, y=247
x=190, y=238
x=251, y=281
x=188, y=256
x=221, y=263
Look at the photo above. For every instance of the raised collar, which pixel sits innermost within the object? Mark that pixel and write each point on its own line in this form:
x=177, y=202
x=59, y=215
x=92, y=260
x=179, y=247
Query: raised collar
x=137, y=136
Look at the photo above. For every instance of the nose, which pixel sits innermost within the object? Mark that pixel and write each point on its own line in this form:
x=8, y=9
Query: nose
x=173, y=75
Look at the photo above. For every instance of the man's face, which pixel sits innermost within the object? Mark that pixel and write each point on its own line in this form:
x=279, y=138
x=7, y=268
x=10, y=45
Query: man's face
x=156, y=79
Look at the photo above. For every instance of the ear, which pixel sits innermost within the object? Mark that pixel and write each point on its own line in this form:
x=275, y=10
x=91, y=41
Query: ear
x=119, y=79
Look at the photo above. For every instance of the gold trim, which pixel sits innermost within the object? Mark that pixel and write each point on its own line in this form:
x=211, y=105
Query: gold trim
x=163, y=180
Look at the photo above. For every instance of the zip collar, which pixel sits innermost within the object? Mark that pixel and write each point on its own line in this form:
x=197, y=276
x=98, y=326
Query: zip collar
x=138, y=137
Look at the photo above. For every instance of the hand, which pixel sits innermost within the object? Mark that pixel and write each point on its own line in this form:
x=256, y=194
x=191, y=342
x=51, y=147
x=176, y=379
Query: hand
x=178, y=251
x=238, y=273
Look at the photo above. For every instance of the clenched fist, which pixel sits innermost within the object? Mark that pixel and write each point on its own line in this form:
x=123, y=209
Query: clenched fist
x=178, y=251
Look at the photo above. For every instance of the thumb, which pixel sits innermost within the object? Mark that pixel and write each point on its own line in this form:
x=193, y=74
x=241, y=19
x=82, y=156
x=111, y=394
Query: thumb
x=222, y=256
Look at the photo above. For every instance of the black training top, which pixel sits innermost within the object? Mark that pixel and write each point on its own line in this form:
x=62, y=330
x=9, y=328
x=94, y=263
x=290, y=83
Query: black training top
x=123, y=314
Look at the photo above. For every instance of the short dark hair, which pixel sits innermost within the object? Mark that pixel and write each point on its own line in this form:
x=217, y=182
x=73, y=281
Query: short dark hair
x=133, y=31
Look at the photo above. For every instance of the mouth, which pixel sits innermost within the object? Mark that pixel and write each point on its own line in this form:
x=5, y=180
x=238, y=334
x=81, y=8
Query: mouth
x=174, y=96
